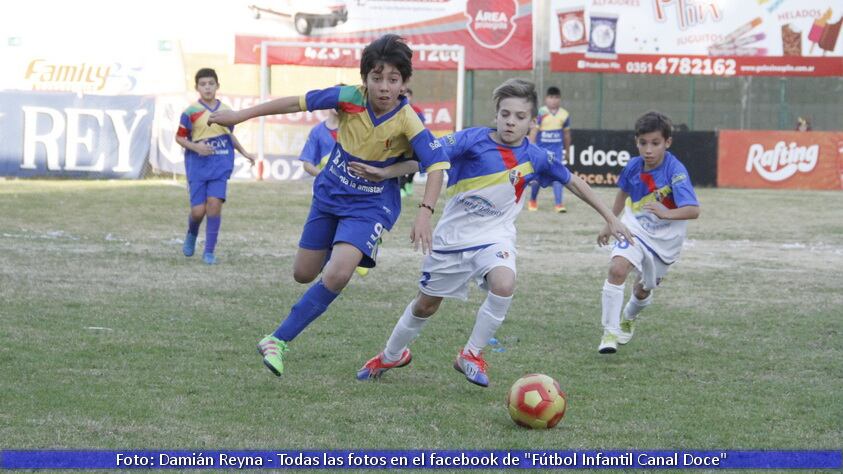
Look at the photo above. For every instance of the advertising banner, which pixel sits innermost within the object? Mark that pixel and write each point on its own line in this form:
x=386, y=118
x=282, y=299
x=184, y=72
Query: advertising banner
x=65, y=135
x=599, y=156
x=783, y=160
x=697, y=37
x=497, y=34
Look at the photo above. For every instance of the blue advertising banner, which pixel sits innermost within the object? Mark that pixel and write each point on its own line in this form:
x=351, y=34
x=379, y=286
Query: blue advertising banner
x=421, y=459
x=48, y=134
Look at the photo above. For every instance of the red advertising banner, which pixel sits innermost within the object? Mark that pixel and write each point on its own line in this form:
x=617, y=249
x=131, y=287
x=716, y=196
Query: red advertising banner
x=496, y=34
x=697, y=37
x=776, y=159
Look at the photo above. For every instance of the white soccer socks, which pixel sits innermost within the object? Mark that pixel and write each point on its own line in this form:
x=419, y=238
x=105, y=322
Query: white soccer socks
x=612, y=303
x=490, y=316
x=406, y=330
x=634, y=306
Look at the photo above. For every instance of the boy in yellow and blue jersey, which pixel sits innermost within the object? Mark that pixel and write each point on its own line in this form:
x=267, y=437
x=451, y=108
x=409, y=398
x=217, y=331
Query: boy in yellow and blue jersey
x=657, y=200
x=553, y=133
x=317, y=149
x=208, y=162
x=349, y=213
x=475, y=238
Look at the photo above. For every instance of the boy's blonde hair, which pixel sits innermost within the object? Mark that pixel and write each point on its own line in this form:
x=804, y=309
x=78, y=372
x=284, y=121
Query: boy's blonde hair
x=518, y=88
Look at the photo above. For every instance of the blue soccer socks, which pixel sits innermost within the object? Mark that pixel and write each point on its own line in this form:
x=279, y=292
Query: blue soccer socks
x=212, y=230
x=310, y=306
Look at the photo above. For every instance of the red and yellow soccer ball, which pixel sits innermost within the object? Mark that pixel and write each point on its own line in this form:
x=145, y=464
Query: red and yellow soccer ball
x=536, y=401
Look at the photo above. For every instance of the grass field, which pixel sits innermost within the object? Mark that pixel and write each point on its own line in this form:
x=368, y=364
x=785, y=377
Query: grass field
x=112, y=339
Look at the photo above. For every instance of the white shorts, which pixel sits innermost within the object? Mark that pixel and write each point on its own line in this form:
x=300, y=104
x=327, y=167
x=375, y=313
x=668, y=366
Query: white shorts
x=649, y=267
x=447, y=275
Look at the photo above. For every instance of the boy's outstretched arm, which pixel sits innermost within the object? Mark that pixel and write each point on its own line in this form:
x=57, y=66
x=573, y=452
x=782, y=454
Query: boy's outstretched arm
x=241, y=150
x=422, y=231
x=373, y=173
x=617, y=208
x=615, y=227
x=284, y=105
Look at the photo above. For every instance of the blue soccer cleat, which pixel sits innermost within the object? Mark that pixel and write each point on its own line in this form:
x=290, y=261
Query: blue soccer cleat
x=209, y=258
x=189, y=244
x=375, y=367
x=473, y=367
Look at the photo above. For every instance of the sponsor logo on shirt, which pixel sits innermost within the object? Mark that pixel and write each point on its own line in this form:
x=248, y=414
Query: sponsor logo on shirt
x=502, y=254
x=479, y=206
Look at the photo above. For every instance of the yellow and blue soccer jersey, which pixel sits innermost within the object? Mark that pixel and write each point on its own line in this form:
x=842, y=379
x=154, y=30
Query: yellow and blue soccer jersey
x=320, y=143
x=485, y=187
x=551, y=135
x=376, y=141
x=669, y=184
x=193, y=125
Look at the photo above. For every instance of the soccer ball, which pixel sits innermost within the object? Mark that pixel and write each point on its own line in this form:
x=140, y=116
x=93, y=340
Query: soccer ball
x=536, y=401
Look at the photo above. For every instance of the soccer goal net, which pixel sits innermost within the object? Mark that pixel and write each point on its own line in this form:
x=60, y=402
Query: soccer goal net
x=437, y=91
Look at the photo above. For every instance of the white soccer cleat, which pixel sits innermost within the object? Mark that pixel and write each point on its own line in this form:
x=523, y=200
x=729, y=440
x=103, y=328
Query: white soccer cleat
x=627, y=330
x=608, y=344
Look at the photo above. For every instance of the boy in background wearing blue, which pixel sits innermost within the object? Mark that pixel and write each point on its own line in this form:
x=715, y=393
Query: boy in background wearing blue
x=657, y=200
x=320, y=143
x=348, y=212
x=553, y=133
x=208, y=162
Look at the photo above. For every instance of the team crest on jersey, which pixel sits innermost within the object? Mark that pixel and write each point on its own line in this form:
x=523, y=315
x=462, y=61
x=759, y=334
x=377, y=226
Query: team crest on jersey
x=502, y=254
x=491, y=22
x=515, y=176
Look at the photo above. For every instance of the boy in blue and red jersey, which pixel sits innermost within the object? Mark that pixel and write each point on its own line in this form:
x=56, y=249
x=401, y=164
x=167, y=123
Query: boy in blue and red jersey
x=657, y=200
x=475, y=238
x=208, y=162
x=553, y=133
x=348, y=212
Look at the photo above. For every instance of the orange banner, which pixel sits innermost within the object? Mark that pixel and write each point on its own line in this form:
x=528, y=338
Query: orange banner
x=780, y=159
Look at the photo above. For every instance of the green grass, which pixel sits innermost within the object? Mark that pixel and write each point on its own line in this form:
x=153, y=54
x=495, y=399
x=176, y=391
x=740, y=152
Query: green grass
x=741, y=349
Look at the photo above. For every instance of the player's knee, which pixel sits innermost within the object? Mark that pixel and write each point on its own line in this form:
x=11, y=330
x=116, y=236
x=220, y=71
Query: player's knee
x=425, y=308
x=302, y=275
x=335, y=280
x=642, y=294
x=618, y=271
x=504, y=289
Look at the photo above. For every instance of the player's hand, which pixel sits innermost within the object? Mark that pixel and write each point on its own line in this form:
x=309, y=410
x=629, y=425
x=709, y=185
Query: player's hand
x=203, y=149
x=372, y=173
x=421, y=233
x=226, y=118
x=250, y=157
x=618, y=230
x=657, y=208
x=603, y=236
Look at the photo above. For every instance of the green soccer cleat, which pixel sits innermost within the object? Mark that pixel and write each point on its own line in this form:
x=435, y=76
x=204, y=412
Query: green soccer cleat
x=608, y=344
x=272, y=349
x=627, y=329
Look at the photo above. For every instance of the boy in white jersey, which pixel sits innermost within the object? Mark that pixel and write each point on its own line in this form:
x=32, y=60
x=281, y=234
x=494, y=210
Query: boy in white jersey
x=475, y=238
x=657, y=198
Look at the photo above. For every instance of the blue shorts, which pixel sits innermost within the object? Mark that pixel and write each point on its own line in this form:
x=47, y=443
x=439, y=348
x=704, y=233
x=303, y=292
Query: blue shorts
x=323, y=230
x=200, y=191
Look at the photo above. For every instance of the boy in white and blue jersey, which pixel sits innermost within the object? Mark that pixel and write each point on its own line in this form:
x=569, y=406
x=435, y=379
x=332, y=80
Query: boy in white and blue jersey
x=208, y=162
x=349, y=213
x=553, y=133
x=657, y=199
x=475, y=238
